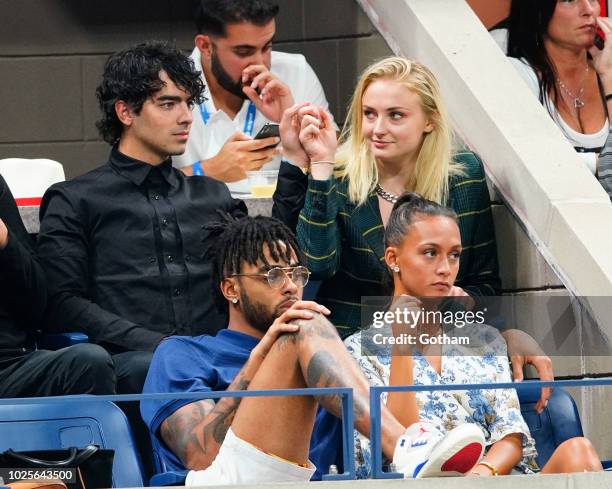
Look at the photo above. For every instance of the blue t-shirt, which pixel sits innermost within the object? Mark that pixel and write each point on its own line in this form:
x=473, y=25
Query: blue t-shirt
x=210, y=363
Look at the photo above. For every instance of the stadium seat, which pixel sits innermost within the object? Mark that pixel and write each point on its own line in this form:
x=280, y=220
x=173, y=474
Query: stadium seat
x=52, y=426
x=164, y=477
x=29, y=179
x=56, y=341
x=168, y=479
x=558, y=422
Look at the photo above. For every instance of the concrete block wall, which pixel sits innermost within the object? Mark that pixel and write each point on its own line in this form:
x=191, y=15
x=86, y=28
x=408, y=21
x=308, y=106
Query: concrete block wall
x=52, y=54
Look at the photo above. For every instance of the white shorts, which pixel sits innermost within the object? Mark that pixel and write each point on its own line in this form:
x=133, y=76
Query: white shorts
x=239, y=462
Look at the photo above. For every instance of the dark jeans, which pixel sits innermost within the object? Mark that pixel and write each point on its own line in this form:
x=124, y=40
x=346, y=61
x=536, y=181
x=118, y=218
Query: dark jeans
x=78, y=369
x=132, y=368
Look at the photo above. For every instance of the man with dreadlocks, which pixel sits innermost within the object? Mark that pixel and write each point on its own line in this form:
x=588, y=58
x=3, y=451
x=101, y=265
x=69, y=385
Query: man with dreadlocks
x=273, y=340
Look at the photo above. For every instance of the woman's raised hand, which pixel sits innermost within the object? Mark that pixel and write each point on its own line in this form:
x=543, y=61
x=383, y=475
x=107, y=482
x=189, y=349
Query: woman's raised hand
x=290, y=136
x=602, y=59
x=318, y=134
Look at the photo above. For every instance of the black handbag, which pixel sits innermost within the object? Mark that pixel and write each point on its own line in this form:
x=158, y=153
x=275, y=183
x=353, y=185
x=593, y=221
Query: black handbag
x=92, y=466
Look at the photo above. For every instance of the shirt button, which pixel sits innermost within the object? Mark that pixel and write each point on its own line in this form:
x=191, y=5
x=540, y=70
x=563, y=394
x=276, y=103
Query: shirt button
x=177, y=292
x=170, y=258
x=156, y=197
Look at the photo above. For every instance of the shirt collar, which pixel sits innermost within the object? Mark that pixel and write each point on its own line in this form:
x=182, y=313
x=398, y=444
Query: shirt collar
x=137, y=171
x=237, y=338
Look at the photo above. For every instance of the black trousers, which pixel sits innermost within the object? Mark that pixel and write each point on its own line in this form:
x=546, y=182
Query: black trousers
x=131, y=368
x=78, y=369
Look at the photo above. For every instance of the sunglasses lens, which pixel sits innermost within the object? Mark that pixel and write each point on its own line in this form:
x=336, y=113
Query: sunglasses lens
x=300, y=276
x=276, y=278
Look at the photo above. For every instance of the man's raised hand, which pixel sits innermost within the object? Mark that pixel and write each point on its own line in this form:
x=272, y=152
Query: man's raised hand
x=269, y=94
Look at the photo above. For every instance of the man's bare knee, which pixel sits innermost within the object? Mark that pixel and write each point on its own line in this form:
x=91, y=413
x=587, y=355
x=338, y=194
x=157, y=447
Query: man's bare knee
x=318, y=327
x=313, y=329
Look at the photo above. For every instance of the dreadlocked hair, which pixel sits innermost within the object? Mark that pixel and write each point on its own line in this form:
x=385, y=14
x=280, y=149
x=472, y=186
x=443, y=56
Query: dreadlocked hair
x=239, y=240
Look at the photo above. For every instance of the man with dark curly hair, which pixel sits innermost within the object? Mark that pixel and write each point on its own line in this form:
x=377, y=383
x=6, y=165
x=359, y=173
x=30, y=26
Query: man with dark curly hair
x=123, y=245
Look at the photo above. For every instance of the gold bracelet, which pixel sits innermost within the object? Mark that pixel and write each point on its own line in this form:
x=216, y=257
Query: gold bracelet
x=489, y=466
x=322, y=163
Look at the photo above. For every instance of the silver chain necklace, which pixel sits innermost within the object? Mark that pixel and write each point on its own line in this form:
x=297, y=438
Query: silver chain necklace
x=578, y=102
x=388, y=196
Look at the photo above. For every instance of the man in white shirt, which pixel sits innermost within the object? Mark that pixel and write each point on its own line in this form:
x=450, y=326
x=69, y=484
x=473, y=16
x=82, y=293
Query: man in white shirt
x=247, y=85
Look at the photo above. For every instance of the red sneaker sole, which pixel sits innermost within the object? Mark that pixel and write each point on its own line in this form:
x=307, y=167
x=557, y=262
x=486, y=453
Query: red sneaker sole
x=464, y=459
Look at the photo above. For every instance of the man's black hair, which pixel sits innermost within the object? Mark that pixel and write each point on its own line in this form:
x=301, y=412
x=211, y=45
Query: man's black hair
x=132, y=75
x=213, y=15
x=238, y=241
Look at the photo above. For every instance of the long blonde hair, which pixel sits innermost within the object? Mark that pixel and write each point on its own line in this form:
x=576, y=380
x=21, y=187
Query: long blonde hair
x=434, y=166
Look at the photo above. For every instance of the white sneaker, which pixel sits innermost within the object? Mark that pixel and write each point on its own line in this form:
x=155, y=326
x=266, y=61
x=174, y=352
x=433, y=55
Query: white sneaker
x=423, y=451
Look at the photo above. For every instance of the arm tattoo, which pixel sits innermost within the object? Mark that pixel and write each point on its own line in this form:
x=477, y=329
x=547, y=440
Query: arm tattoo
x=225, y=411
x=179, y=430
x=324, y=371
x=318, y=327
x=285, y=339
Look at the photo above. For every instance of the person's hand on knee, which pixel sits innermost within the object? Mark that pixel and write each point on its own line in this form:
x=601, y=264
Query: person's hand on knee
x=283, y=324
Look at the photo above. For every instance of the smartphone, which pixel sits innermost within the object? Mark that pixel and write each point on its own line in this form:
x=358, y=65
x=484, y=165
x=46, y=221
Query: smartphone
x=599, y=39
x=267, y=131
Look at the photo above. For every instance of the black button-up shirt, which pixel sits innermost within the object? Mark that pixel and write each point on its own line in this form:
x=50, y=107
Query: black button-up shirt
x=124, y=251
x=23, y=292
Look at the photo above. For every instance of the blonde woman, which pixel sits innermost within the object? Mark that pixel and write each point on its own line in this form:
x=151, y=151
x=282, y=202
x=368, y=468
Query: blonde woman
x=397, y=137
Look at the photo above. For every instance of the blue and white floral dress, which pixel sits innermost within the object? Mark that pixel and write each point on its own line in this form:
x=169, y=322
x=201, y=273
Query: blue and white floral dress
x=496, y=411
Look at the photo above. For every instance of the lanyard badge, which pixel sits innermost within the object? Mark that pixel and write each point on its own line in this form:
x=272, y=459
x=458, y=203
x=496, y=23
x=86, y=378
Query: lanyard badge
x=249, y=122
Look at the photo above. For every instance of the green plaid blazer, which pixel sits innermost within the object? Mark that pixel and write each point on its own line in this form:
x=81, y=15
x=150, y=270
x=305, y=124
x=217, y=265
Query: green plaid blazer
x=343, y=244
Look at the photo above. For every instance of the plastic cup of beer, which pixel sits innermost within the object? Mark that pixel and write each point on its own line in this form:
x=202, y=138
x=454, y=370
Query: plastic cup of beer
x=262, y=183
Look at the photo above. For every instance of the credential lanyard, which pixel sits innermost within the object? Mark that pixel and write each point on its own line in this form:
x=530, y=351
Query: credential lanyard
x=248, y=123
